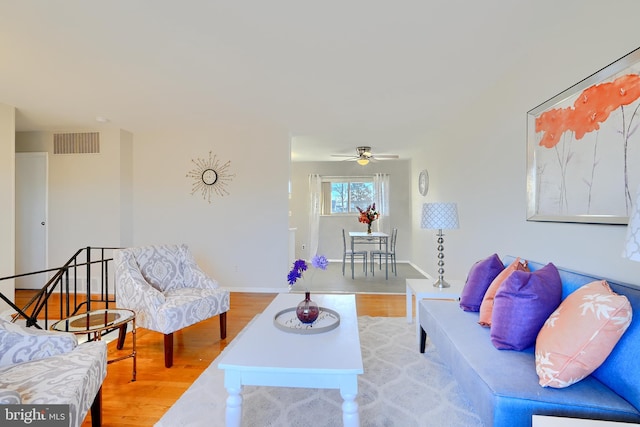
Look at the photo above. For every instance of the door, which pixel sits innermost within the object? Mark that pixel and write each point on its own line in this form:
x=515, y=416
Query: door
x=31, y=219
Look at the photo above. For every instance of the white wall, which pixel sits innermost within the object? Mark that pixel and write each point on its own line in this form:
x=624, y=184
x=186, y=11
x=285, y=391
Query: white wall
x=84, y=194
x=136, y=192
x=480, y=162
x=126, y=189
x=330, y=243
x=241, y=239
x=7, y=198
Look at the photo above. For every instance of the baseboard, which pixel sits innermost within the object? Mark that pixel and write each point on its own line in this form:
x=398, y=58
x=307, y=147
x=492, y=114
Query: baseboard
x=424, y=273
x=252, y=290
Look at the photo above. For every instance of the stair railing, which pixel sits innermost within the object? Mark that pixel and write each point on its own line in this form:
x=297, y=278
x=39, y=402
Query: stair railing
x=66, y=285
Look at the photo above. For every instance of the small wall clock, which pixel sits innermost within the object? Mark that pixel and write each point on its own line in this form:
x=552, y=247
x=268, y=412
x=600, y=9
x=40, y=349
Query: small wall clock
x=423, y=182
x=210, y=177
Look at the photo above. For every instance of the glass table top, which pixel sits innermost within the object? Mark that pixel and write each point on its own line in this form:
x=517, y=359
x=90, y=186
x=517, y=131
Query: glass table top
x=94, y=320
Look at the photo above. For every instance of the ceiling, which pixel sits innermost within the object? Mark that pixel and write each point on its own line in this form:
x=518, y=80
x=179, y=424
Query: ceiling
x=335, y=74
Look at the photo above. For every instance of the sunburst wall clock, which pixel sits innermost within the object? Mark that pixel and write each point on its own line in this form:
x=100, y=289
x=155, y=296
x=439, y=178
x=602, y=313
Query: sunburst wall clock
x=210, y=177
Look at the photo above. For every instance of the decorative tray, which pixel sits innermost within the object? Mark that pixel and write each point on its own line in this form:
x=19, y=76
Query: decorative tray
x=286, y=320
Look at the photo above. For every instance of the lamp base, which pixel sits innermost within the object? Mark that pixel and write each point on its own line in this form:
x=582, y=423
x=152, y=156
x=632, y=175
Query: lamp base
x=441, y=283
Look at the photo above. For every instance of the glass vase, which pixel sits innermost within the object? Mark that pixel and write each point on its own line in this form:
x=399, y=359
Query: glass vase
x=307, y=311
x=369, y=228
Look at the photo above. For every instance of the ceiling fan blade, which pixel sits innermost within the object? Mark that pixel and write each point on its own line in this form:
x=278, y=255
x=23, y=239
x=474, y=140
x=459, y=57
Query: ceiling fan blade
x=364, y=153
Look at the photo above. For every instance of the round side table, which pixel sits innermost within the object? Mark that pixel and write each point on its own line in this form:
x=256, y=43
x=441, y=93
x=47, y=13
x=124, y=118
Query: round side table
x=96, y=323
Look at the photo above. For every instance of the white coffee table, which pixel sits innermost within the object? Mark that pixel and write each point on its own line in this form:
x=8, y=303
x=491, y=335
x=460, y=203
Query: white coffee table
x=264, y=355
x=424, y=289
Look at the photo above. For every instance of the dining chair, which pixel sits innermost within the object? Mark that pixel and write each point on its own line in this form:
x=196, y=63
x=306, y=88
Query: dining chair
x=389, y=255
x=352, y=254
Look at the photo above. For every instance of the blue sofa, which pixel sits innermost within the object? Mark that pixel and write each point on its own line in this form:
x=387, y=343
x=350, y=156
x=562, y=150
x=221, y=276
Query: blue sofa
x=502, y=385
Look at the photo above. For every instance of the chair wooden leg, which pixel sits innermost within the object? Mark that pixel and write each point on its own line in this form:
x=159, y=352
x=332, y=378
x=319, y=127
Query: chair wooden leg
x=122, y=334
x=168, y=350
x=96, y=410
x=223, y=325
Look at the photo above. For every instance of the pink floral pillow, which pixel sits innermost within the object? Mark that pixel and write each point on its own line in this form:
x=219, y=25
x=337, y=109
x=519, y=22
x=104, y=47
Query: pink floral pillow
x=578, y=337
x=486, y=307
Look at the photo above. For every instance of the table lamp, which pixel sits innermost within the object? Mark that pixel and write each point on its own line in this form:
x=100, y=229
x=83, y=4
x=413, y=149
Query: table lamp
x=632, y=242
x=440, y=216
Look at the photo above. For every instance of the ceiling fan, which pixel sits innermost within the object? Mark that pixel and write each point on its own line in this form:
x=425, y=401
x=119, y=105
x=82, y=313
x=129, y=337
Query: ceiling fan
x=364, y=155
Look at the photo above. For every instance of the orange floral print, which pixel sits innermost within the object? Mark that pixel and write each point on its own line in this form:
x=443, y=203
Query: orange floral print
x=592, y=107
x=595, y=103
x=553, y=123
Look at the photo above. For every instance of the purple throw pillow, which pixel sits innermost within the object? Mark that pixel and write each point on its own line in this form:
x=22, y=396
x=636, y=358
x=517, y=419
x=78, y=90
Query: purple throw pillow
x=480, y=277
x=522, y=305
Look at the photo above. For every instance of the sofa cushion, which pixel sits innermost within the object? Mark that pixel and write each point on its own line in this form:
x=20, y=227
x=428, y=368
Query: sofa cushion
x=522, y=305
x=73, y=378
x=480, y=277
x=486, y=308
x=187, y=306
x=580, y=334
x=10, y=397
x=21, y=344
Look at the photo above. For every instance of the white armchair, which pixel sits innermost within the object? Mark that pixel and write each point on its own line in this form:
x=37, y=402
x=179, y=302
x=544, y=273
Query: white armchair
x=167, y=290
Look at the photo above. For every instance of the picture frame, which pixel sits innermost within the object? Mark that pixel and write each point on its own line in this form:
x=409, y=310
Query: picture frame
x=583, y=148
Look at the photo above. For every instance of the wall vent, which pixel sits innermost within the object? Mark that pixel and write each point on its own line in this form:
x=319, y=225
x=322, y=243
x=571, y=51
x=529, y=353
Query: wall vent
x=76, y=143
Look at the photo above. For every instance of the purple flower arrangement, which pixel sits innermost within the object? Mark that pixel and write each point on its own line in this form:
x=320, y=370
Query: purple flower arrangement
x=300, y=266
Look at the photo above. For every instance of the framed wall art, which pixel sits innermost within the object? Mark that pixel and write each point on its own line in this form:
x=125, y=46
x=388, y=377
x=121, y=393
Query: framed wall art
x=583, y=148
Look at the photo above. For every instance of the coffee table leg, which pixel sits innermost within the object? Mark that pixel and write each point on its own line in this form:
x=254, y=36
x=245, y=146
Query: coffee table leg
x=350, y=414
x=233, y=413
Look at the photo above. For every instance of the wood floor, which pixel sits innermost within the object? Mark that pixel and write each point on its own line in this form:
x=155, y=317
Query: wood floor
x=143, y=402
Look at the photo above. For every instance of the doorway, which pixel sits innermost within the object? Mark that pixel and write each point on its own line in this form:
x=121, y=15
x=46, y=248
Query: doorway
x=31, y=218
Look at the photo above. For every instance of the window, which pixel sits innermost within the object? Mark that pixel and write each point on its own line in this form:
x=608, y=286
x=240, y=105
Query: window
x=344, y=195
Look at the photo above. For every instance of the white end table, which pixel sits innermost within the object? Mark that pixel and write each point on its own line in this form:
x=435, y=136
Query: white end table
x=424, y=289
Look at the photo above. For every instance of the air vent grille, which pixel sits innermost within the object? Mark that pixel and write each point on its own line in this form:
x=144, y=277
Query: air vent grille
x=76, y=143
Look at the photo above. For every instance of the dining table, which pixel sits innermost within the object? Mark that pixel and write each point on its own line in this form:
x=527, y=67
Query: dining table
x=374, y=238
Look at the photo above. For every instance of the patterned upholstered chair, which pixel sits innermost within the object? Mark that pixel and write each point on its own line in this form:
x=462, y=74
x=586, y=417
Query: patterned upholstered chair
x=167, y=290
x=42, y=367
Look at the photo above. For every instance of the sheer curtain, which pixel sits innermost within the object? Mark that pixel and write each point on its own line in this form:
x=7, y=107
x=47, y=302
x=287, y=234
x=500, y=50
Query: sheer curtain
x=381, y=194
x=315, y=209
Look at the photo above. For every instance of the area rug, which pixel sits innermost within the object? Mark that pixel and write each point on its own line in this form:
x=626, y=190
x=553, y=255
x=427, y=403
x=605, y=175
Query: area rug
x=400, y=387
x=332, y=280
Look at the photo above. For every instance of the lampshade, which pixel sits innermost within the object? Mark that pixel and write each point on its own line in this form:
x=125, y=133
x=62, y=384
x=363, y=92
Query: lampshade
x=632, y=242
x=363, y=161
x=439, y=216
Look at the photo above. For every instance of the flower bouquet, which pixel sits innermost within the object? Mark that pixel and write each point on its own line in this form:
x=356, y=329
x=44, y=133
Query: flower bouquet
x=307, y=311
x=367, y=216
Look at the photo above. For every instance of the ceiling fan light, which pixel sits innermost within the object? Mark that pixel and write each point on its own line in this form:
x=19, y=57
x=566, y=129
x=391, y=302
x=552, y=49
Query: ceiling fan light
x=363, y=161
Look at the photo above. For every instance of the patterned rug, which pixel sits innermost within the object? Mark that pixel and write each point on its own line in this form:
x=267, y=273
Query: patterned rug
x=400, y=387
